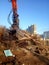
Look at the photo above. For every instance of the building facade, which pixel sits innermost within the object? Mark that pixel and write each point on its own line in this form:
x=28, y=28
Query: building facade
x=31, y=29
x=46, y=34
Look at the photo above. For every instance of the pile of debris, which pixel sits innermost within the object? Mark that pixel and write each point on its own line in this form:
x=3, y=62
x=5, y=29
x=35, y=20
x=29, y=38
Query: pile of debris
x=22, y=48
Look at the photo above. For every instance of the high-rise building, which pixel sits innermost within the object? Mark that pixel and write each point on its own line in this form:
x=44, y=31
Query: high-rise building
x=46, y=34
x=32, y=29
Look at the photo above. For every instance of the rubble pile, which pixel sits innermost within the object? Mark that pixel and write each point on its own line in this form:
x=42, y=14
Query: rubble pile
x=27, y=49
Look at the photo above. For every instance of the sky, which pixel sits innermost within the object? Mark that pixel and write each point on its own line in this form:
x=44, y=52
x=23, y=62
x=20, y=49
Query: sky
x=30, y=12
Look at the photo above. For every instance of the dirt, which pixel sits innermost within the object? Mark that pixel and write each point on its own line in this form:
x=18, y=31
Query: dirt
x=23, y=48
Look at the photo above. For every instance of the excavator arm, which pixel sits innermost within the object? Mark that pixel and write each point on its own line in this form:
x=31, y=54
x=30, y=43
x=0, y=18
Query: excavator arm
x=15, y=19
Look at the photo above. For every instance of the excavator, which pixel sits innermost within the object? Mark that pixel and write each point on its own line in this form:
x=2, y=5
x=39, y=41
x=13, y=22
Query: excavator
x=15, y=25
x=15, y=15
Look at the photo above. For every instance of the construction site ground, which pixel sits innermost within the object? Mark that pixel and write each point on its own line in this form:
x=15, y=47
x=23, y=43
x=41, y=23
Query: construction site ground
x=27, y=49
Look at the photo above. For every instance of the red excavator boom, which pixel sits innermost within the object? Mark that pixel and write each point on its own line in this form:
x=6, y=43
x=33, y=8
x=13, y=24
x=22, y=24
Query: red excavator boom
x=15, y=19
x=14, y=4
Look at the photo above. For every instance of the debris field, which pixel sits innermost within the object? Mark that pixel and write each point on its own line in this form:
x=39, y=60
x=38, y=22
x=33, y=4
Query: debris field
x=27, y=49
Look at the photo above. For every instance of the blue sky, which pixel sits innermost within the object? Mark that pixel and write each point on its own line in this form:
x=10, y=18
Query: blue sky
x=30, y=12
